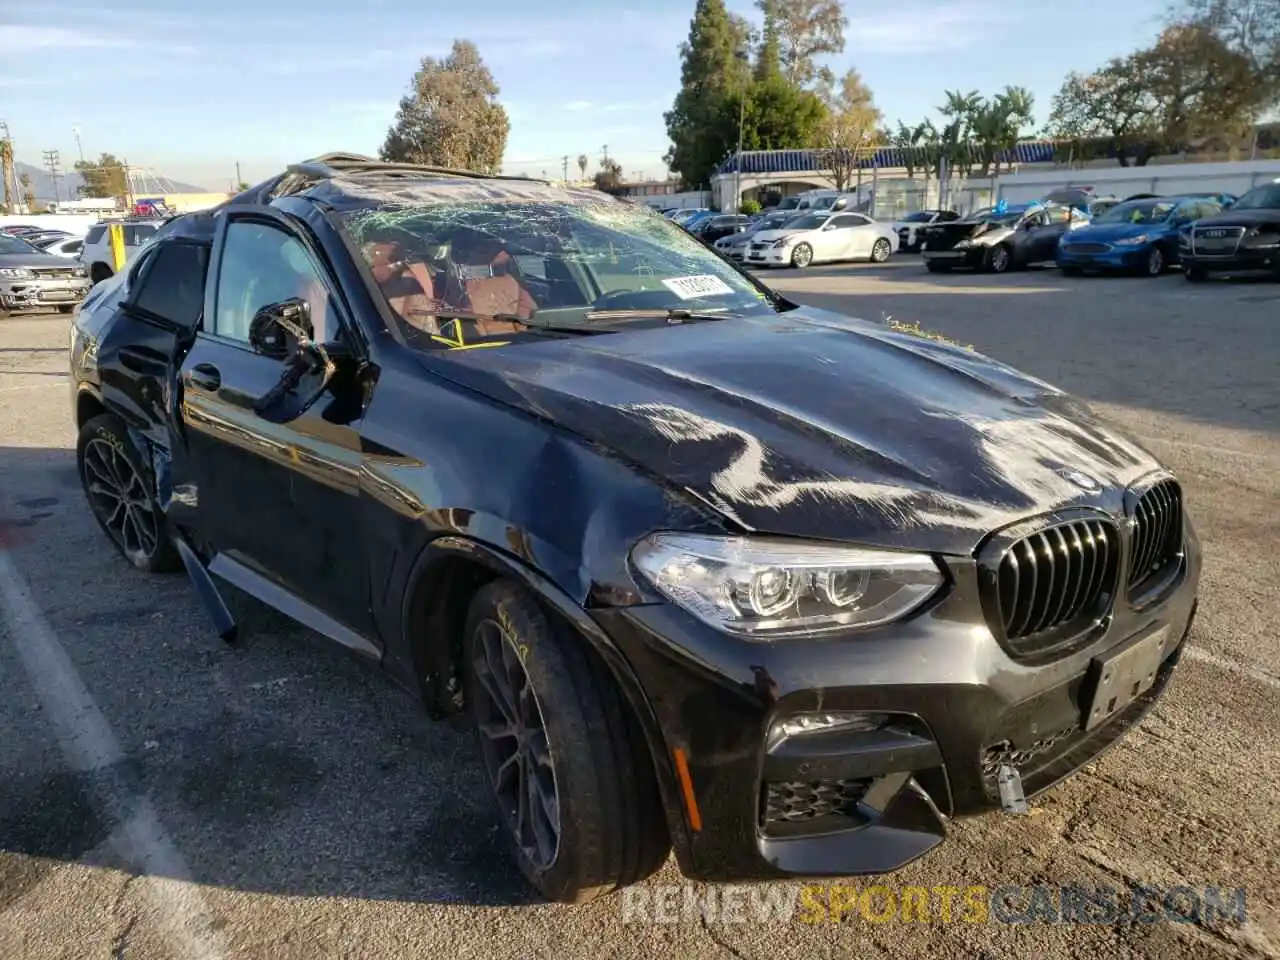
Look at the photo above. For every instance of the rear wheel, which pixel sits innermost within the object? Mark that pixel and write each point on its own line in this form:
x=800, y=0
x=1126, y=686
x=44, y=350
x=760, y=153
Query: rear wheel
x=881, y=250
x=120, y=491
x=802, y=256
x=568, y=766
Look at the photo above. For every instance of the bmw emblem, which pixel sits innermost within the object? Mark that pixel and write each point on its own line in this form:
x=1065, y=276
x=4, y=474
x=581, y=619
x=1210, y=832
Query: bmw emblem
x=1082, y=480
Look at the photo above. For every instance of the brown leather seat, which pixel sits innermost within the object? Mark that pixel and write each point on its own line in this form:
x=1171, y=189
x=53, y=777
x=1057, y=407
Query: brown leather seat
x=409, y=288
x=497, y=290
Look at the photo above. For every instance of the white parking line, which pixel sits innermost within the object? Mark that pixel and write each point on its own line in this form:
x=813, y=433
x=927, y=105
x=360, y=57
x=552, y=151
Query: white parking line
x=88, y=745
x=1231, y=666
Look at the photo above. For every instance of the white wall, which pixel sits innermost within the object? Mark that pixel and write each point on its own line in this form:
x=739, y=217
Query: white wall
x=1170, y=178
x=74, y=223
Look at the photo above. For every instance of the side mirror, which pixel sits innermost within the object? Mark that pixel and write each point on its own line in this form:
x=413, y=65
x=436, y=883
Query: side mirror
x=278, y=329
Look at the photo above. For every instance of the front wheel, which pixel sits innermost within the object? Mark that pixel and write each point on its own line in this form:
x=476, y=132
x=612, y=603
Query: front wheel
x=881, y=250
x=1153, y=266
x=573, y=781
x=1071, y=271
x=999, y=259
x=1193, y=274
x=934, y=267
x=120, y=491
x=802, y=256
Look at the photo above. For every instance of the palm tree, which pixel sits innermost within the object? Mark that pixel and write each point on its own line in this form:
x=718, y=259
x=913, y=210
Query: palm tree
x=28, y=192
x=582, y=164
x=960, y=109
x=6, y=171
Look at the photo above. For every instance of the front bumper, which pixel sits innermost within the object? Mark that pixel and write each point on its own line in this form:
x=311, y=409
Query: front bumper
x=1244, y=259
x=31, y=294
x=946, y=708
x=1118, y=258
x=971, y=257
x=772, y=257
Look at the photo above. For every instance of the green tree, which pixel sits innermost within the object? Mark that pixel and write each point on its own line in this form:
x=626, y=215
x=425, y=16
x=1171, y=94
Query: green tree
x=1249, y=28
x=582, y=164
x=908, y=139
x=713, y=68
x=1113, y=106
x=451, y=116
x=609, y=177
x=850, y=132
x=104, y=178
x=806, y=30
x=777, y=115
x=996, y=124
x=28, y=192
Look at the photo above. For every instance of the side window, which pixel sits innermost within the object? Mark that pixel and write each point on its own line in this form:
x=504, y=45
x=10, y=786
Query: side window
x=96, y=233
x=136, y=234
x=75, y=246
x=1058, y=215
x=172, y=287
x=844, y=221
x=262, y=265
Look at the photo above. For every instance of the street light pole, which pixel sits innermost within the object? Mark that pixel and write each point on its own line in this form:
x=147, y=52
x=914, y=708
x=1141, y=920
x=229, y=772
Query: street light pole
x=737, y=160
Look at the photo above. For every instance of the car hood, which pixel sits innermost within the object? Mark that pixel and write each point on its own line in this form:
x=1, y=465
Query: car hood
x=813, y=425
x=771, y=236
x=31, y=260
x=1110, y=232
x=1232, y=217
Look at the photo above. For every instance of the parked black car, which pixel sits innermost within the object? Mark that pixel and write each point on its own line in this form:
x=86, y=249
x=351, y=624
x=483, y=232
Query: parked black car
x=708, y=569
x=717, y=228
x=912, y=226
x=997, y=239
x=1244, y=237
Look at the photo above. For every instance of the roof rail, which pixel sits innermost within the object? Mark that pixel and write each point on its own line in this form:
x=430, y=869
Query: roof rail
x=330, y=165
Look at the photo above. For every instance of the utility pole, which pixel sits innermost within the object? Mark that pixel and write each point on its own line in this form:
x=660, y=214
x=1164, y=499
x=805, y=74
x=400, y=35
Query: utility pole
x=565, y=162
x=51, y=160
x=239, y=179
x=605, y=151
x=75, y=132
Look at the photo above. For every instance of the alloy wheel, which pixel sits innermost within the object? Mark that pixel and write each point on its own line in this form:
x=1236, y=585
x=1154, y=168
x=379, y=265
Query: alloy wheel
x=802, y=256
x=880, y=251
x=517, y=753
x=119, y=497
x=999, y=260
x=1155, y=262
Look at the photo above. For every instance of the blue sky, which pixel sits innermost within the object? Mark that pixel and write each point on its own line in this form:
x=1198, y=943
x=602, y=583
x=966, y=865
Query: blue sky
x=188, y=89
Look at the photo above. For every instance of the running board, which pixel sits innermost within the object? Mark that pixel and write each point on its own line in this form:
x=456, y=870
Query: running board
x=274, y=595
x=223, y=621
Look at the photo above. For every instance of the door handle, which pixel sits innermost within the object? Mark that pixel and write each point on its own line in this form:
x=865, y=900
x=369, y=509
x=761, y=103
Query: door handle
x=205, y=376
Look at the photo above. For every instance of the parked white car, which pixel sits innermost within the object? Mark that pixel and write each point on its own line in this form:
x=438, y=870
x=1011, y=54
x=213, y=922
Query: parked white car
x=62, y=246
x=96, y=255
x=823, y=238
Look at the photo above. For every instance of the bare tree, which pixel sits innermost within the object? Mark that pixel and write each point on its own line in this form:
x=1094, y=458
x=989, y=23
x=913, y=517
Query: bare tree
x=451, y=116
x=805, y=30
x=850, y=131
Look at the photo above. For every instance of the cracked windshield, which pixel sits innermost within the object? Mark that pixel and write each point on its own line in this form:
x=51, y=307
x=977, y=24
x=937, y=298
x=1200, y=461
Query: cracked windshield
x=665, y=480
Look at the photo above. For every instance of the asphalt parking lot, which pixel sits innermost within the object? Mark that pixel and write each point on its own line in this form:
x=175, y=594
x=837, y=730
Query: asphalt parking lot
x=163, y=795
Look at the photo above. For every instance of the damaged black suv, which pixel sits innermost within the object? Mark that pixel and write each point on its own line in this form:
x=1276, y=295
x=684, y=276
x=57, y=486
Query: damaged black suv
x=778, y=588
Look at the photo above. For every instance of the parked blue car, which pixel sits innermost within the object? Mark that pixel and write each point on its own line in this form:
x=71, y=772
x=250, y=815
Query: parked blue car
x=1137, y=236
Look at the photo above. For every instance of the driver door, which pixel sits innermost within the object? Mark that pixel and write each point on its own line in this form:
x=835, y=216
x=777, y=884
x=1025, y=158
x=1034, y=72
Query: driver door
x=279, y=497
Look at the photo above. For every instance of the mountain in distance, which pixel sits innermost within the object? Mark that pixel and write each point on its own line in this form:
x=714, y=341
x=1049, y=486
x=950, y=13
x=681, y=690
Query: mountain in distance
x=69, y=181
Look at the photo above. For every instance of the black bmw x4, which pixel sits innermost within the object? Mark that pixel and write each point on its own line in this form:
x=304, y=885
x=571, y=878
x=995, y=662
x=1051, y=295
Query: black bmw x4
x=710, y=570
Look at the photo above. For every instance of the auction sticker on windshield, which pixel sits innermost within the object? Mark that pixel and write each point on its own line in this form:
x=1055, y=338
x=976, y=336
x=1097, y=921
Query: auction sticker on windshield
x=705, y=285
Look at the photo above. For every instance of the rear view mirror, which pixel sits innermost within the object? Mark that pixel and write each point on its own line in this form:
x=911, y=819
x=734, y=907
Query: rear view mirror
x=278, y=328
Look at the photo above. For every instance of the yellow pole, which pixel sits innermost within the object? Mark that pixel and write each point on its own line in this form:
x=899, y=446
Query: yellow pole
x=116, y=233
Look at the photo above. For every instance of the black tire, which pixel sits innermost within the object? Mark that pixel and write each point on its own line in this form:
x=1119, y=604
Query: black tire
x=934, y=267
x=611, y=831
x=800, y=259
x=1155, y=264
x=99, y=272
x=1071, y=271
x=1193, y=274
x=105, y=454
x=881, y=250
x=999, y=259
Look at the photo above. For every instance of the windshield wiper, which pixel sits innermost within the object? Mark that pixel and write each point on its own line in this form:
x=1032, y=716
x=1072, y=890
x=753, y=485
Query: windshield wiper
x=672, y=314
x=530, y=324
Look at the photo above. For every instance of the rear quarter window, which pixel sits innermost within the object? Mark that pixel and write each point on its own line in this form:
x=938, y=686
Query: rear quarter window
x=95, y=233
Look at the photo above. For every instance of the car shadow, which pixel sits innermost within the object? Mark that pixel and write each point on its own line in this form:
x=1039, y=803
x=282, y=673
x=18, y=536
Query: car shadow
x=278, y=765
x=1206, y=352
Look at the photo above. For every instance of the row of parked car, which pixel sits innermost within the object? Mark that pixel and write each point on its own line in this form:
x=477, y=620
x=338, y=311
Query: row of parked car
x=1146, y=234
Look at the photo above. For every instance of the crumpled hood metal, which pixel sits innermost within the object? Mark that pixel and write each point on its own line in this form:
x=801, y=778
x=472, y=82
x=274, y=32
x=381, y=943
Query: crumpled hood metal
x=814, y=425
x=1110, y=232
x=35, y=259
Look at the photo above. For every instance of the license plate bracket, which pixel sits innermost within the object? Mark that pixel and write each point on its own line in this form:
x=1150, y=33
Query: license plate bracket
x=1124, y=674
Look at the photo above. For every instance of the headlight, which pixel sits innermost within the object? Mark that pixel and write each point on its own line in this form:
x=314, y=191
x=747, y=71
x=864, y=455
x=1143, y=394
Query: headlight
x=16, y=273
x=1132, y=241
x=764, y=588
x=1184, y=238
x=783, y=242
x=79, y=272
x=1256, y=238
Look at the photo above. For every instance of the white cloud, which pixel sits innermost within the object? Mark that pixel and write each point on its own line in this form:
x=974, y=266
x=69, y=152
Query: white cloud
x=952, y=26
x=578, y=106
x=24, y=38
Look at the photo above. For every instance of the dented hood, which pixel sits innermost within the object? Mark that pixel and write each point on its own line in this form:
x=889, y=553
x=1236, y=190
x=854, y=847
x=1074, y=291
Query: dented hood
x=813, y=425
